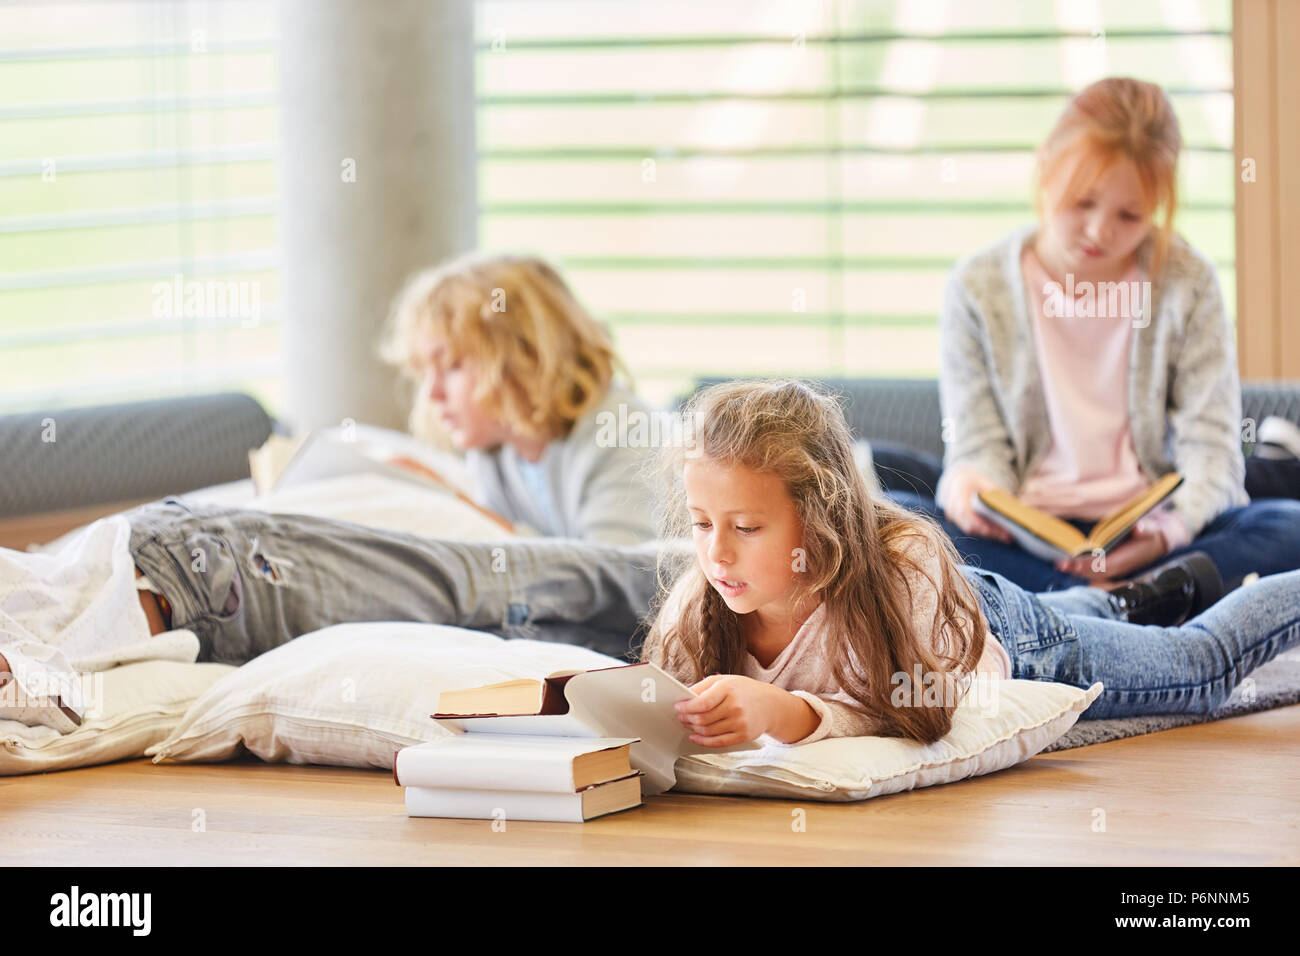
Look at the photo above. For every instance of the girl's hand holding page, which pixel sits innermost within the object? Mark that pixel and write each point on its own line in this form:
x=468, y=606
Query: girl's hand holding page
x=732, y=709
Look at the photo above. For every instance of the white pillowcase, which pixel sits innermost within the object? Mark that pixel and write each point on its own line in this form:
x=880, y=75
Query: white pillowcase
x=998, y=725
x=352, y=694
x=129, y=708
x=375, y=500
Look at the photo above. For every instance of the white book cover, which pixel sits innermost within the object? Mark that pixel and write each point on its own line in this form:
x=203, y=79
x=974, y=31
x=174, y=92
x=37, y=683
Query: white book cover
x=510, y=805
x=635, y=700
x=498, y=761
x=284, y=462
x=325, y=454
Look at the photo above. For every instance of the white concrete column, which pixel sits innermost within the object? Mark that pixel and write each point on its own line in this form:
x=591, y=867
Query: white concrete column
x=376, y=180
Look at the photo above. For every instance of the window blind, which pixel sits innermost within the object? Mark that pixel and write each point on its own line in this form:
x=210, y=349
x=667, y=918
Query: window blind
x=137, y=201
x=782, y=187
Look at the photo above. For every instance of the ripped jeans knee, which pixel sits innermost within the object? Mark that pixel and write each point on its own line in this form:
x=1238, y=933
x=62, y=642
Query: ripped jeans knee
x=269, y=567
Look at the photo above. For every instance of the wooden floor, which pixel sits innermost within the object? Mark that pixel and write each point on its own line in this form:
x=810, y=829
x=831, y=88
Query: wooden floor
x=1223, y=793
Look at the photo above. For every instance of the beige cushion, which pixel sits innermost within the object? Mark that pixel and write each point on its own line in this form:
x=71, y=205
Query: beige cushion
x=129, y=708
x=998, y=724
x=353, y=694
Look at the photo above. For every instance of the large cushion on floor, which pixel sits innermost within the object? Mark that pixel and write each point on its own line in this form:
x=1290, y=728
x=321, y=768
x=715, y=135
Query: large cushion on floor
x=352, y=694
x=998, y=725
x=129, y=708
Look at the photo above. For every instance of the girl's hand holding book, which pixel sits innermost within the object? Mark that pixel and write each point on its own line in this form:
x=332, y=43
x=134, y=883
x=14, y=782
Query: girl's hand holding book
x=963, y=486
x=1145, y=544
x=732, y=709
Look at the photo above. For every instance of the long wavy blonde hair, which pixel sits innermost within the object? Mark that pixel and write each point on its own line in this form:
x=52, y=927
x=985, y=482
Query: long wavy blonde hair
x=855, y=551
x=543, y=362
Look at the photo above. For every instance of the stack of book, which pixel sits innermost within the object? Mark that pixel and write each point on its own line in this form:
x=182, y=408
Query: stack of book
x=572, y=746
x=517, y=777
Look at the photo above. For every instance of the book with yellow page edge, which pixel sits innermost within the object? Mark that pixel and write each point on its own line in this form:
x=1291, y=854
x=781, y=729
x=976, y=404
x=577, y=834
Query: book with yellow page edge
x=594, y=801
x=632, y=700
x=488, y=776
x=1052, y=539
x=514, y=762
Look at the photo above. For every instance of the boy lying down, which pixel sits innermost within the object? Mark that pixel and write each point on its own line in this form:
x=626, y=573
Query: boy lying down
x=170, y=581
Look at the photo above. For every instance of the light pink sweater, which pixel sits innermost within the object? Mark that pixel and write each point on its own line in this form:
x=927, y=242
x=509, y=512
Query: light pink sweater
x=1092, y=467
x=801, y=667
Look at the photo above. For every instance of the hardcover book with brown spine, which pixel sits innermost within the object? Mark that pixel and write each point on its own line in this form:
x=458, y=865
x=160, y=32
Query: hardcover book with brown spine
x=634, y=700
x=1052, y=539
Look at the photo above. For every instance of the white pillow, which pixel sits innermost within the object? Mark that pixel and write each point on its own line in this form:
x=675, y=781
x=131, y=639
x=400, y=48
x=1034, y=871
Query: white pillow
x=375, y=500
x=352, y=694
x=997, y=725
x=129, y=708
x=382, y=502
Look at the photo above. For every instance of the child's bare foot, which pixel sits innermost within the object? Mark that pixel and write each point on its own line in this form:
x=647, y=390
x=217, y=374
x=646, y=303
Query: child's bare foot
x=152, y=610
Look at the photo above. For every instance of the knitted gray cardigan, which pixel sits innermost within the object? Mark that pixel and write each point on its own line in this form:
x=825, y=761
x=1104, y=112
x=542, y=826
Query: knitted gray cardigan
x=1184, y=396
x=600, y=490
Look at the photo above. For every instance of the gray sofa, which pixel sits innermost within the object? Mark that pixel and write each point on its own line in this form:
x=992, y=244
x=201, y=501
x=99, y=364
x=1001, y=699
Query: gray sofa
x=902, y=416
x=73, y=458
x=906, y=411
x=142, y=450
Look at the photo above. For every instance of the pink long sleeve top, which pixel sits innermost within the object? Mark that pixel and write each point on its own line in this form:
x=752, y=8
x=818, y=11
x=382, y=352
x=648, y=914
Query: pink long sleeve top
x=1083, y=353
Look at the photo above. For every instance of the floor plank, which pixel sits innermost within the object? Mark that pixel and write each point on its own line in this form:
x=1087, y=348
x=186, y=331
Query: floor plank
x=1223, y=793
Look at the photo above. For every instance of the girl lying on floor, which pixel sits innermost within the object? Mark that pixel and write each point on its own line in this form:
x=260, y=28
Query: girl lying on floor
x=807, y=597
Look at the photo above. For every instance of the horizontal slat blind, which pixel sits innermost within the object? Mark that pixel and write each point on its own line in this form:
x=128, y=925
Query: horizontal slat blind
x=781, y=187
x=137, y=145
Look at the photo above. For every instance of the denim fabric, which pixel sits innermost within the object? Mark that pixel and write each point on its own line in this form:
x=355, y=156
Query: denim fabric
x=1073, y=637
x=1010, y=560
x=247, y=581
x=1272, y=477
x=1263, y=537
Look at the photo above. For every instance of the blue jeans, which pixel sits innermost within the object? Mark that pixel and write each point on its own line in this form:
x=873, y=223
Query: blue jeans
x=1076, y=637
x=246, y=582
x=1262, y=537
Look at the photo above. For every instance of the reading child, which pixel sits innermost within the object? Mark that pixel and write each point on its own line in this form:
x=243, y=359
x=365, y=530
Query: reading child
x=521, y=378
x=811, y=604
x=1086, y=356
x=815, y=577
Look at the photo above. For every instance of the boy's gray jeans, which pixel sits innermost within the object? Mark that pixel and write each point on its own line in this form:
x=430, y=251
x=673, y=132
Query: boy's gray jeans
x=247, y=581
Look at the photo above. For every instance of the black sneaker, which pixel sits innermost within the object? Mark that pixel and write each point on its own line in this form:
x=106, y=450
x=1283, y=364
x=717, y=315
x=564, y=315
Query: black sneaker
x=1172, y=593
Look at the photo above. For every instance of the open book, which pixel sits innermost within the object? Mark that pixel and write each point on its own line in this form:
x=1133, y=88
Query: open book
x=358, y=449
x=1048, y=537
x=635, y=700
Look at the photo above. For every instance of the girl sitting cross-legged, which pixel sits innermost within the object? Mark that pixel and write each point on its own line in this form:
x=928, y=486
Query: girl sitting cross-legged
x=1086, y=355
